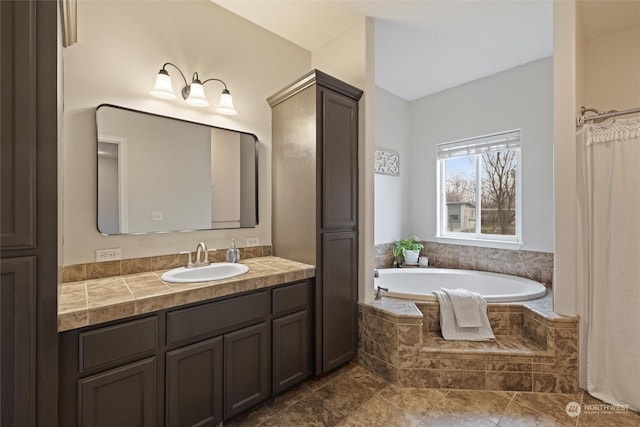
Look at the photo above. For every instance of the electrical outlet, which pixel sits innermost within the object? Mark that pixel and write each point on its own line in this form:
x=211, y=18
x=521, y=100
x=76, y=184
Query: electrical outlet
x=108, y=254
x=253, y=241
x=157, y=216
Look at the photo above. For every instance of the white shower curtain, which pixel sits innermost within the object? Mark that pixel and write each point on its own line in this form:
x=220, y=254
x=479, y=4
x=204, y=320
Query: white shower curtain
x=609, y=197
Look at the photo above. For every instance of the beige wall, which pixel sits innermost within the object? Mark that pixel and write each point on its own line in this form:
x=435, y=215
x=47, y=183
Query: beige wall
x=121, y=47
x=344, y=57
x=565, y=109
x=613, y=71
x=581, y=99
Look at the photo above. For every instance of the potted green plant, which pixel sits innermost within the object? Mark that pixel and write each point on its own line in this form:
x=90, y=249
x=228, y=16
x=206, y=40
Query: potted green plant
x=407, y=249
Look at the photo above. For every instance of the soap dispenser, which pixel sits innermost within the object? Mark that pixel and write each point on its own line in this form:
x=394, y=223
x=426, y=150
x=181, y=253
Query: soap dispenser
x=233, y=253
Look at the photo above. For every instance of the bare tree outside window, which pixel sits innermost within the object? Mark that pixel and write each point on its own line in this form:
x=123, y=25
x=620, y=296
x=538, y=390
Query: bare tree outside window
x=460, y=189
x=498, y=215
x=497, y=187
x=460, y=193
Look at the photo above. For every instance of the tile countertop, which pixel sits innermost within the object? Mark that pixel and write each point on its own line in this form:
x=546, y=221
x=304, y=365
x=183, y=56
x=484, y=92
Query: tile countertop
x=96, y=301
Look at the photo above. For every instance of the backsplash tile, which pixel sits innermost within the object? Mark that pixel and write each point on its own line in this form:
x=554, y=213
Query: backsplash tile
x=135, y=265
x=533, y=265
x=250, y=252
x=98, y=270
x=384, y=255
x=167, y=262
x=74, y=273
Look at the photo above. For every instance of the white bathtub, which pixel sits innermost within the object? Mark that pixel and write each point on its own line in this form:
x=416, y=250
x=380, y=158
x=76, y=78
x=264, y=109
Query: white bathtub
x=419, y=283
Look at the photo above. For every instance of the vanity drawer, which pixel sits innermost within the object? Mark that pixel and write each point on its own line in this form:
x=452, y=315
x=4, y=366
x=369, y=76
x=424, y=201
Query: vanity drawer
x=291, y=298
x=217, y=317
x=117, y=343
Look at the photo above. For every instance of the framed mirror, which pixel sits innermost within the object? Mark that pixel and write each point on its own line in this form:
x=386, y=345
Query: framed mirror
x=160, y=174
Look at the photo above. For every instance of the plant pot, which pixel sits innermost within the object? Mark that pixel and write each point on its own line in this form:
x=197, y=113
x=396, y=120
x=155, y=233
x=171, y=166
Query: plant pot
x=411, y=257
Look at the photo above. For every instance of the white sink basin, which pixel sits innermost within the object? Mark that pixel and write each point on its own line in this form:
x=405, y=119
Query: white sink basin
x=215, y=271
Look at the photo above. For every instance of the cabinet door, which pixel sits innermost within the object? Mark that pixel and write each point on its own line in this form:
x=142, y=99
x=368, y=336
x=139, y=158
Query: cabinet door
x=194, y=384
x=291, y=350
x=246, y=370
x=18, y=344
x=120, y=397
x=339, y=142
x=339, y=298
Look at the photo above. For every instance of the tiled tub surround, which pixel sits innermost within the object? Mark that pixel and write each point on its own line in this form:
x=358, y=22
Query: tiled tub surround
x=532, y=265
x=92, y=301
x=535, y=349
x=99, y=270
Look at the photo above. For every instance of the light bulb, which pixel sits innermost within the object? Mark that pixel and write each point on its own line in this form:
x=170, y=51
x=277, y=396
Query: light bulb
x=196, y=95
x=163, y=88
x=226, y=104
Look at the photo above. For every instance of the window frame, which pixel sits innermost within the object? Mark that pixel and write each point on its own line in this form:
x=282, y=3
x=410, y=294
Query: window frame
x=477, y=238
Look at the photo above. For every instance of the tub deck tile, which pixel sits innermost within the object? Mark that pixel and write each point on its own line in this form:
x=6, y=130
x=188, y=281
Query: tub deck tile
x=524, y=357
x=510, y=344
x=395, y=310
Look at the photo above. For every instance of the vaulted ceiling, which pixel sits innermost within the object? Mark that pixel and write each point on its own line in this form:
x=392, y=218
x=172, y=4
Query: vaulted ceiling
x=425, y=46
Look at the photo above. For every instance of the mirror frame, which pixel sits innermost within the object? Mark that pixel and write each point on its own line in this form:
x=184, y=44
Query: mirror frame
x=97, y=139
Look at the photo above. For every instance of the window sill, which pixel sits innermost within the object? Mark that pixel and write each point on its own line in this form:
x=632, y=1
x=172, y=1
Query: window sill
x=482, y=243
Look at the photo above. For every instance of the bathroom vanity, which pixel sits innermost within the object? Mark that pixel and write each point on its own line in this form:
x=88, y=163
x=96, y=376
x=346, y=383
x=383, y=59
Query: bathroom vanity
x=192, y=364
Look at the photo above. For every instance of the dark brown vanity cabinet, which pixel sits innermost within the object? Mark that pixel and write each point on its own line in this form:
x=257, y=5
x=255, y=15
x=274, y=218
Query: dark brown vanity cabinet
x=109, y=374
x=315, y=202
x=247, y=369
x=191, y=366
x=124, y=396
x=194, y=384
x=291, y=334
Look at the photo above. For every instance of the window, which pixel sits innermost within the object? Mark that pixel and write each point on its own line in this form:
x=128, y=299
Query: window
x=480, y=174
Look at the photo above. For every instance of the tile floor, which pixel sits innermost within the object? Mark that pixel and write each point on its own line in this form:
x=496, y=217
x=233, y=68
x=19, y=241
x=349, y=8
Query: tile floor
x=353, y=396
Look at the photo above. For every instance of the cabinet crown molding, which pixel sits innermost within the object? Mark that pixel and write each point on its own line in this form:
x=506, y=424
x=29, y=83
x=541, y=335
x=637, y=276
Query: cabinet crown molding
x=311, y=78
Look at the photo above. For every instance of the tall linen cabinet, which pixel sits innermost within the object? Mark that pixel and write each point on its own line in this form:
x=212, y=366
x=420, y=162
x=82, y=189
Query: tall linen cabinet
x=315, y=202
x=28, y=213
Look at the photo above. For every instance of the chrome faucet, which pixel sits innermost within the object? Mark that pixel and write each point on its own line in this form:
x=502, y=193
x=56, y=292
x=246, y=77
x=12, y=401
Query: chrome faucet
x=202, y=256
x=379, y=291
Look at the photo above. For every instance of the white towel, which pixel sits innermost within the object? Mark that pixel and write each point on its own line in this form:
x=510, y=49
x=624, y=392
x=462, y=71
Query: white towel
x=450, y=329
x=467, y=306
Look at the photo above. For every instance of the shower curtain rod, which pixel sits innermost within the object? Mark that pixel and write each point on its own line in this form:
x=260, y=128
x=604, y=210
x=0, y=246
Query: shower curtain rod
x=602, y=115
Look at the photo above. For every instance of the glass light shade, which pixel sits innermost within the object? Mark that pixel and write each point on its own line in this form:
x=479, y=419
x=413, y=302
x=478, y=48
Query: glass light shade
x=163, y=88
x=226, y=104
x=196, y=95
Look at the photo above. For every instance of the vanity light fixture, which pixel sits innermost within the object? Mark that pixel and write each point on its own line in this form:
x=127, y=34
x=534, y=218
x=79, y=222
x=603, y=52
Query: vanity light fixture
x=193, y=93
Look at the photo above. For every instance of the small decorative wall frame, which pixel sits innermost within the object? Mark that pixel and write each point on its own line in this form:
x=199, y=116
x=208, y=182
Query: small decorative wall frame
x=387, y=162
